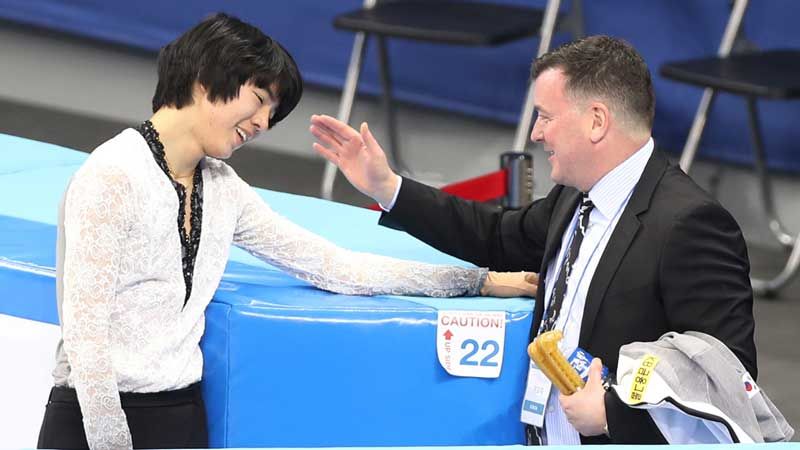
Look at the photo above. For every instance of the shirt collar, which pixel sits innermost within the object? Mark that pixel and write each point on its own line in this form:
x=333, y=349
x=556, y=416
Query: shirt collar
x=609, y=194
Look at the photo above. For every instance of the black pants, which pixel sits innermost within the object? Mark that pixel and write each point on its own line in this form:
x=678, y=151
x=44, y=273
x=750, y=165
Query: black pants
x=172, y=419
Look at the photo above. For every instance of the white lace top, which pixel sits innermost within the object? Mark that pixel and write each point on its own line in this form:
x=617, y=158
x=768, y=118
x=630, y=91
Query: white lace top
x=121, y=289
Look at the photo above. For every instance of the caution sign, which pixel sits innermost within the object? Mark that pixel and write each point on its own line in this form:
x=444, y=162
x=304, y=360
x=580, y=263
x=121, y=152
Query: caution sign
x=471, y=343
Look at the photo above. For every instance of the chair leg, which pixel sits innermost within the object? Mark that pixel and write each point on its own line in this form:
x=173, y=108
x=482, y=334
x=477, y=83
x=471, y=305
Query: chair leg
x=388, y=107
x=770, y=287
x=767, y=198
x=548, y=25
x=579, y=29
x=345, y=106
x=526, y=117
x=525, y=122
x=715, y=180
x=728, y=40
x=573, y=22
x=696, y=132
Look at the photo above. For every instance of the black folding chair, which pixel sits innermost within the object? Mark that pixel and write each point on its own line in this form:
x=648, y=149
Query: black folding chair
x=769, y=74
x=453, y=22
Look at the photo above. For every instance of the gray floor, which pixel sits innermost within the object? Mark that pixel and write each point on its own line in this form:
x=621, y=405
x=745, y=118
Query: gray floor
x=776, y=319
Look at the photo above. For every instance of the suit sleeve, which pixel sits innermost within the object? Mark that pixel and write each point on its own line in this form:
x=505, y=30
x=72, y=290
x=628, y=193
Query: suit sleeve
x=705, y=276
x=628, y=425
x=483, y=234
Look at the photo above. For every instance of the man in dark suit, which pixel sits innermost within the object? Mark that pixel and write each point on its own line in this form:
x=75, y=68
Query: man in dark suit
x=627, y=246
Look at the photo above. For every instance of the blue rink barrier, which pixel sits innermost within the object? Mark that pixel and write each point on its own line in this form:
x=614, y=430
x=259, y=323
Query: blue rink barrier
x=286, y=364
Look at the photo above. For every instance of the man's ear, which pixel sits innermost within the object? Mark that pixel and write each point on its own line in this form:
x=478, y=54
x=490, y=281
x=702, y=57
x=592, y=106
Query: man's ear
x=601, y=117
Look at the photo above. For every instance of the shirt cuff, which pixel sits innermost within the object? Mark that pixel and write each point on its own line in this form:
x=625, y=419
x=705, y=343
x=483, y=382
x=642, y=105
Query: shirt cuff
x=389, y=207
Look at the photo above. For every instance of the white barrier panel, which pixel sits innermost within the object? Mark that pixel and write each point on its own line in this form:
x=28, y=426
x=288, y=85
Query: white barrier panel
x=27, y=349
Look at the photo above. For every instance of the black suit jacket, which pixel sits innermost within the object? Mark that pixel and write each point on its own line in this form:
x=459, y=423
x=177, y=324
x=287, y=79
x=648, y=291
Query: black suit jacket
x=676, y=261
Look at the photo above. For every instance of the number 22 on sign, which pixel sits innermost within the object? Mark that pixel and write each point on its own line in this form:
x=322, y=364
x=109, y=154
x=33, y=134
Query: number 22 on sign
x=471, y=343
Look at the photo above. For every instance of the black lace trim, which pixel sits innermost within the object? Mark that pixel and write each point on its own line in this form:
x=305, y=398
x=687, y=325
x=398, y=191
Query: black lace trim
x=189, y=243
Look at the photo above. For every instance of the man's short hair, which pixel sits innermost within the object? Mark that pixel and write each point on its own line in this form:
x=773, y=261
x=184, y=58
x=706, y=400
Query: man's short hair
x=223, y=53
x=605, y=67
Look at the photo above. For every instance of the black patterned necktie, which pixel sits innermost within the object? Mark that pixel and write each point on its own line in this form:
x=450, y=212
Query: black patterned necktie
x=560, y=288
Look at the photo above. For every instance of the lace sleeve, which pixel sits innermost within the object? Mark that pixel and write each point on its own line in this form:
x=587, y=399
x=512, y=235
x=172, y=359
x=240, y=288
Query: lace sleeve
x=95, y=219
x=309, y=257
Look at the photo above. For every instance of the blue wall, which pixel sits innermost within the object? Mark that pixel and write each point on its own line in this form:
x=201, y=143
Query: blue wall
x=484, y=82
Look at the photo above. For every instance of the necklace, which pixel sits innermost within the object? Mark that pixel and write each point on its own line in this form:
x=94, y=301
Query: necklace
x=150, y=134
x=190, y=242
x=172, y=174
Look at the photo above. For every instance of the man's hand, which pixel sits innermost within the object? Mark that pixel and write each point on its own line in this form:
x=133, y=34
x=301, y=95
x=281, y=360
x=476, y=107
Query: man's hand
x=358, y=155
x=510, y=284
x=586, y=409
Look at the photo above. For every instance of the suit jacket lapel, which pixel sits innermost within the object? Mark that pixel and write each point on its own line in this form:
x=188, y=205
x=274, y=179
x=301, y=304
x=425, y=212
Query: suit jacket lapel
x=562, y=214
x=559, y=220
x=620, y=241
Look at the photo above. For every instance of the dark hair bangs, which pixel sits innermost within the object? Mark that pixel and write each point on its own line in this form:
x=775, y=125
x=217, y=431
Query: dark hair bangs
x=222, y=53
x=281, y=70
